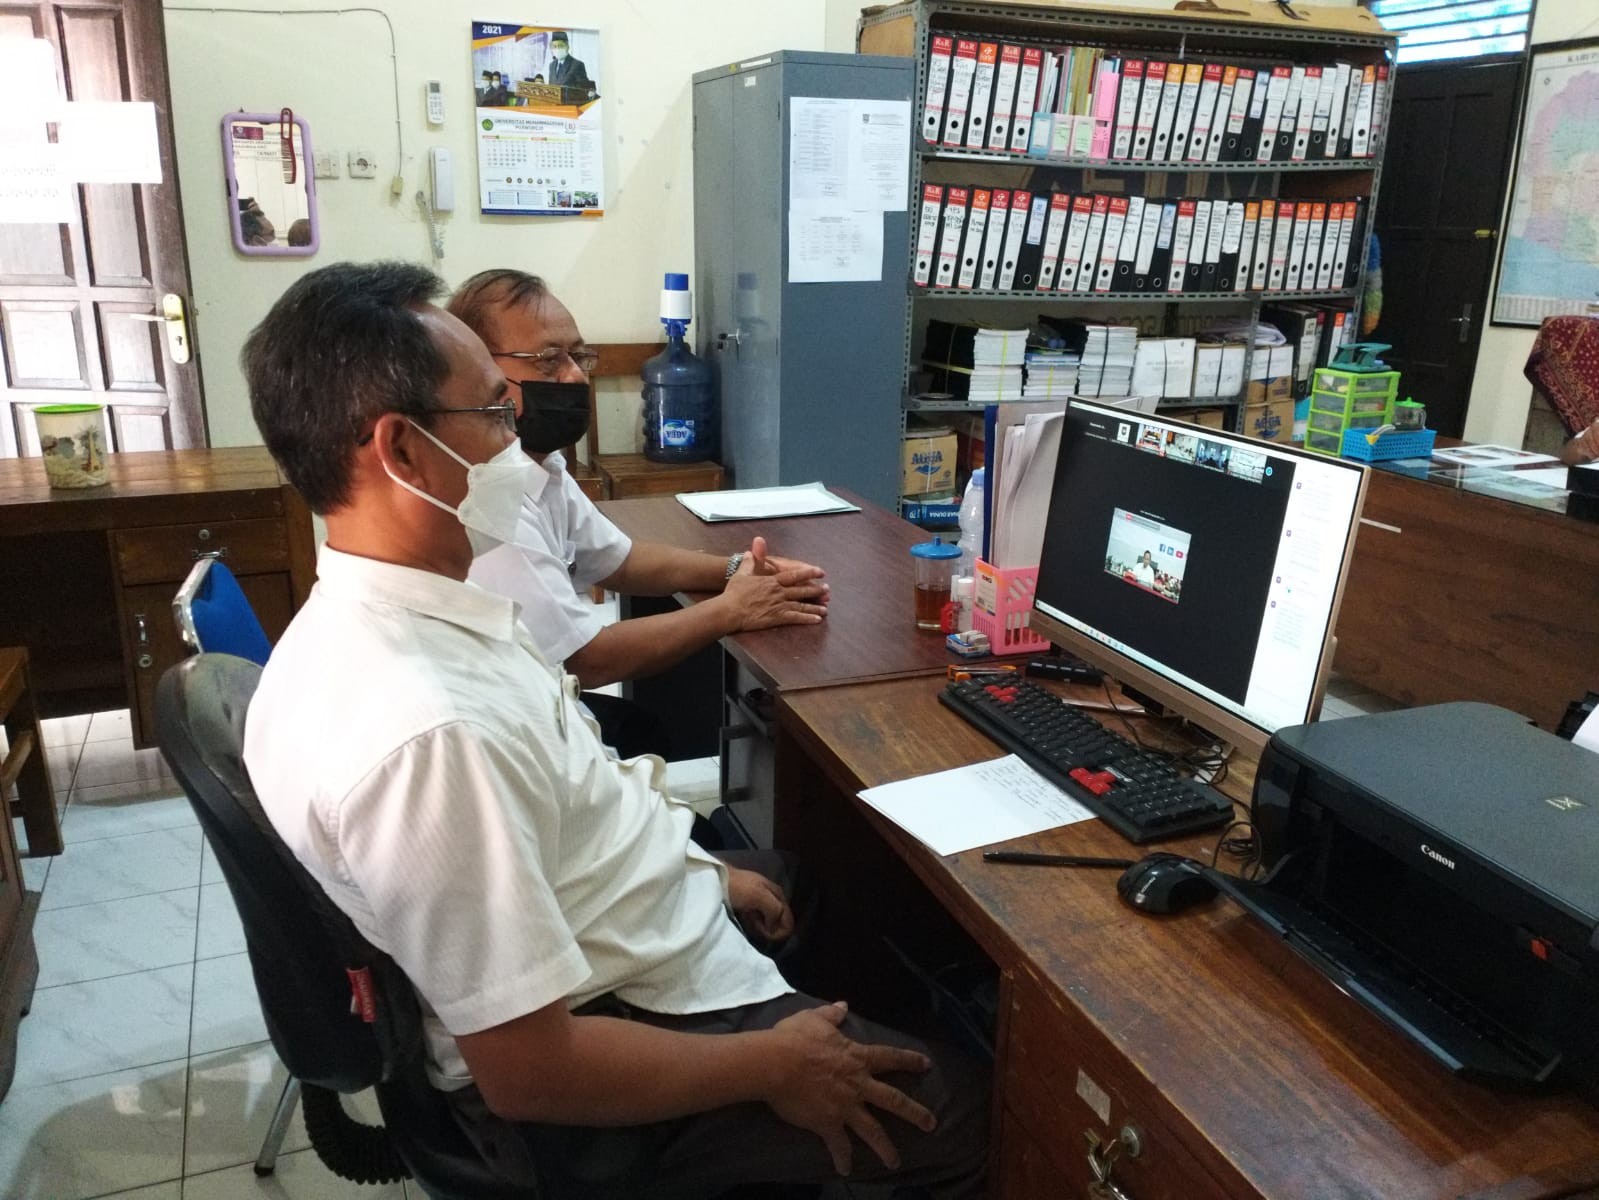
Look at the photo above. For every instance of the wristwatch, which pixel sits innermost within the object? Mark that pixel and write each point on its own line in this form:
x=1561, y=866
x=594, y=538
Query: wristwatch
x=733, y=562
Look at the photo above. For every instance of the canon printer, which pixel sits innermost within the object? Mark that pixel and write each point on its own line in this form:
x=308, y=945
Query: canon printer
x=1441, y=865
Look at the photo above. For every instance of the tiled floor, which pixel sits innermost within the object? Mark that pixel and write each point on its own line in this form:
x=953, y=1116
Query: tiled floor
x=143, y=1070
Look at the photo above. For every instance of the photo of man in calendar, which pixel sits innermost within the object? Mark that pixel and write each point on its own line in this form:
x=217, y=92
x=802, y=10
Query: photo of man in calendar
x=539, y=119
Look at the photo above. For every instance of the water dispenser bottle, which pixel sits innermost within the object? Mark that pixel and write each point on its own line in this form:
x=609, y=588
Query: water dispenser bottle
x=680, y=415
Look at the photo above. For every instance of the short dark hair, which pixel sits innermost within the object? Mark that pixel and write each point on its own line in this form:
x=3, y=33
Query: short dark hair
x=341, y=347
x=502, y=287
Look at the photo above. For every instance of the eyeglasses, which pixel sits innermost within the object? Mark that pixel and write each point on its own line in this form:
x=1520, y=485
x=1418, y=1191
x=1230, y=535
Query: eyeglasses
x=549, y=363
x=506, y=412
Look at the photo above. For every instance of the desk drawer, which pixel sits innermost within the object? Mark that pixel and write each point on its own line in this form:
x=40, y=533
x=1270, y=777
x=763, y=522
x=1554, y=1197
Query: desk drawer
x=1060, y=1079
x=165, y=554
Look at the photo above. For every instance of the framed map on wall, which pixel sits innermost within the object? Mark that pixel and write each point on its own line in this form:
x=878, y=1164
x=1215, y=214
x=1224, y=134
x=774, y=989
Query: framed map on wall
x=1549, y=254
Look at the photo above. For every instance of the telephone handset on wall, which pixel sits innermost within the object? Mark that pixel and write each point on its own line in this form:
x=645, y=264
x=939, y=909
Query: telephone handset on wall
x=443, y=173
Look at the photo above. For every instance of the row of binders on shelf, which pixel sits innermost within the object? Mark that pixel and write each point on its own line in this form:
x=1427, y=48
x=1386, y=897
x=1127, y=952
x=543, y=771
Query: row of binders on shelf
x=1013, y=240
x=1084, y=102
x=1062, y=357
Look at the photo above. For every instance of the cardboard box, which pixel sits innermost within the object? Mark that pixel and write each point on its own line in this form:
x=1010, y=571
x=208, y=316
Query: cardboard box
x=1271, y=375
x=1270, y=422
x=927, y=462
x=1210, y=418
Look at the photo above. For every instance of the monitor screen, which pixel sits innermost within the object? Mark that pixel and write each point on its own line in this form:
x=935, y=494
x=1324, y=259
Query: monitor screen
x=1201, y=566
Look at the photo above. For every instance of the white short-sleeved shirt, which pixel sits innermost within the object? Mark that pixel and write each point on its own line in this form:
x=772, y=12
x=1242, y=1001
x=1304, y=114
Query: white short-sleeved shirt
x=564, y=546
x=441, y=783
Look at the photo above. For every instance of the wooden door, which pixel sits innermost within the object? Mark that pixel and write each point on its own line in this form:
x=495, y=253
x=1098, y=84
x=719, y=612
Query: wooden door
x=1443, y=186
x=79, y=302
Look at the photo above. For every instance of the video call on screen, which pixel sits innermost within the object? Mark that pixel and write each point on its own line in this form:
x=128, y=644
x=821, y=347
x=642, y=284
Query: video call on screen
x=1165, y=540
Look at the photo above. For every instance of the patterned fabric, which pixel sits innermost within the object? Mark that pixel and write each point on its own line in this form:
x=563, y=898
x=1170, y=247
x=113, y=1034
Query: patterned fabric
x=1564, y=366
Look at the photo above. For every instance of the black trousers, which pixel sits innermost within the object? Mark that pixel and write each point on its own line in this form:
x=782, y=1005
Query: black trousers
x=705, y=1155
x=628, y=728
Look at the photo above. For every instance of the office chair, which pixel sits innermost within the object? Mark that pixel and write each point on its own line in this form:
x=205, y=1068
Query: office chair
x=303, y=952
x=214, y=616
x=301, y=947
x=1564, y=366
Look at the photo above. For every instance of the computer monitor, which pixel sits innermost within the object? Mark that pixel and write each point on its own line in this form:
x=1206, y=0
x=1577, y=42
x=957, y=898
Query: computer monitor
x=1200, y=568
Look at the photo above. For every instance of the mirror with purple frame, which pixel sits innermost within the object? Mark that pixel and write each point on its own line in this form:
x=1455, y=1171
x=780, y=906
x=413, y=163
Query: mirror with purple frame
x=271, y=184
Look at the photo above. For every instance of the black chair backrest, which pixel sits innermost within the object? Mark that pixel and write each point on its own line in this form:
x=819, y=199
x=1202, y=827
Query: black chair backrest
x=300, y=943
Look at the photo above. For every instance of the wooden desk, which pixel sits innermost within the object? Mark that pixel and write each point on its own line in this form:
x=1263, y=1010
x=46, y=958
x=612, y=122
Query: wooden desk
x=868, y=633
x=1457, y=595
x=1244, y=1070
x=87, y=577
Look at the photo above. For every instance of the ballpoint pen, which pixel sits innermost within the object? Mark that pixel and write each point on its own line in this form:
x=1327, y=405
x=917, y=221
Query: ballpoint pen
x=1021, y=858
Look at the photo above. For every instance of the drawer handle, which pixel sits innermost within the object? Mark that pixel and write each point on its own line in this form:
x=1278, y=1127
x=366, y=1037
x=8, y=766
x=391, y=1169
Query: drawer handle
x=197, y=555
x=146, y=661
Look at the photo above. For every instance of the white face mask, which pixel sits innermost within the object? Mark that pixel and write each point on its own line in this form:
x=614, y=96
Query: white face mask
x=560, y=54
x=494, y=491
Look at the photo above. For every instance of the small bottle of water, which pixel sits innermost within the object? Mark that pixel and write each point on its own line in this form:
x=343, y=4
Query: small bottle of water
x=971, y=524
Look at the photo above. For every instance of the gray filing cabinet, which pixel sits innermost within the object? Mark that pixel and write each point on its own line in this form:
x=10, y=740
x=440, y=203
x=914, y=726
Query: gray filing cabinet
x=811, y=374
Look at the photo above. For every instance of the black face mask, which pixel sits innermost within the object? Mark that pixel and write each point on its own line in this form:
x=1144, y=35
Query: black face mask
x=553, y=415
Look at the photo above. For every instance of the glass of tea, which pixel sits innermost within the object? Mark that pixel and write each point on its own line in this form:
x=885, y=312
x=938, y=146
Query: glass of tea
x=934, y=566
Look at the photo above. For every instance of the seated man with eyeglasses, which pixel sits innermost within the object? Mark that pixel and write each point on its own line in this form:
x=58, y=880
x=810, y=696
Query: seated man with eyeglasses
x=565, y=545
x=599, y=1025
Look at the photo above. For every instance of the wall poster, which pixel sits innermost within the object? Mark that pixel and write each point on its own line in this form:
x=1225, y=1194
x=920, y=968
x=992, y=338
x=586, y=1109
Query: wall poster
x=540, y=152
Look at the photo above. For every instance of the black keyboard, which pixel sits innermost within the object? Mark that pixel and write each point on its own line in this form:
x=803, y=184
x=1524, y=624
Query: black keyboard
x=1135, y=791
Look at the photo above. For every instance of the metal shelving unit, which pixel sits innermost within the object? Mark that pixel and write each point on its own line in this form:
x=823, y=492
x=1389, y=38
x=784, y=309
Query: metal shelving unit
x=908, y=29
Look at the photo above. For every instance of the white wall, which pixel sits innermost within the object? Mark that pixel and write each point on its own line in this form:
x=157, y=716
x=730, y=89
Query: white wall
x=334, y=71
x=1500, y=394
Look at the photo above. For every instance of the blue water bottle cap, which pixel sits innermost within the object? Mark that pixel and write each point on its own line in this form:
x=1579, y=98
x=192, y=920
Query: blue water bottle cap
x=676, y=282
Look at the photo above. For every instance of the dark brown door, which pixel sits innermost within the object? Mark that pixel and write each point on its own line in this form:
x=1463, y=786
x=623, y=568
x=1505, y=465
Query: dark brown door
x=1443, y=187
x=81, y=303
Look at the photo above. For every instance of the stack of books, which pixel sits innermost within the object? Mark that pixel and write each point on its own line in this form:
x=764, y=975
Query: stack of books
x=1105, y=353
x=1051, y=373
x=974, y=364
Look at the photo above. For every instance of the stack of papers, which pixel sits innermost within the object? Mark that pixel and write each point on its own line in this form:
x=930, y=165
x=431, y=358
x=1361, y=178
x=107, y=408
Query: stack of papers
x=748, y=504
x=1050, y=374
x=1107, y=355
x=973, y=363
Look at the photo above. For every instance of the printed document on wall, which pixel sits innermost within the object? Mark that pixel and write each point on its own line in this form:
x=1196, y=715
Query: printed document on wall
x=849, y=163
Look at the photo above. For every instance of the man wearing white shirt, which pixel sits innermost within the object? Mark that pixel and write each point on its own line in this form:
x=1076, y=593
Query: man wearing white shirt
x=588, y=1005
x=1144, y=570
x=565, y=545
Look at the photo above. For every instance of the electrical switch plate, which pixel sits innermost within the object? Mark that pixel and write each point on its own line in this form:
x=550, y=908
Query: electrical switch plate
x=327, y=164
x=363, y=164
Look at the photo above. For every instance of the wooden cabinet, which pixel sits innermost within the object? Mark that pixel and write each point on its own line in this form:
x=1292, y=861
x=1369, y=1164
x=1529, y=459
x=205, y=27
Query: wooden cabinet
x=1458, y=596
x=89, y=576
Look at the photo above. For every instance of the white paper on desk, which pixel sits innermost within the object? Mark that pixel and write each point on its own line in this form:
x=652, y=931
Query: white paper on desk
x=831, y=243
x=1488, y=455
x=1587, y=734
x=1549, y=476
x=976, y=805
x=801, y=500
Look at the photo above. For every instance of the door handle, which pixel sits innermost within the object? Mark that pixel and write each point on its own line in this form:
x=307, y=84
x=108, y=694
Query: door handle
x=1463, y=323
x=176, y=325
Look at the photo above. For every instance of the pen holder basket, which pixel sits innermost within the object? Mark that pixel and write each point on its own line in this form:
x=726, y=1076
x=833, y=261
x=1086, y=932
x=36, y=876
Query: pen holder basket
x=1411, y=444
x=1003, y=602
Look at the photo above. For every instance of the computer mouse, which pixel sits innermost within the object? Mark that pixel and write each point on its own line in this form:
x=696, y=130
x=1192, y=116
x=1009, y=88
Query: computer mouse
x=1164, y=883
